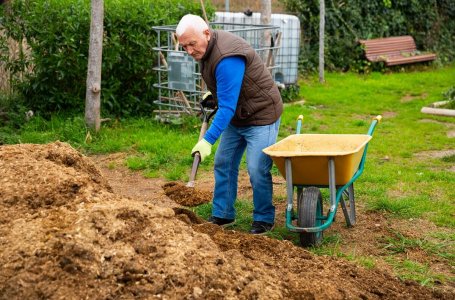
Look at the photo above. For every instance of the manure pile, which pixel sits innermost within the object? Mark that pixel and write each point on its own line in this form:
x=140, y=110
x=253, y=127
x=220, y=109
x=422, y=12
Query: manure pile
x=65, y=235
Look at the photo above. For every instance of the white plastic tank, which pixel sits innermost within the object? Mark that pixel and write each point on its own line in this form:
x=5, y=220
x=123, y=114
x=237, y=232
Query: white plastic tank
x=288, y=55
x=181, y=68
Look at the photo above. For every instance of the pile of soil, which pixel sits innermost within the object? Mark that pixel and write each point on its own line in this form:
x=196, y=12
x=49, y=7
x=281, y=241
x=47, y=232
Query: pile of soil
x=65, y=234
x=186, y=196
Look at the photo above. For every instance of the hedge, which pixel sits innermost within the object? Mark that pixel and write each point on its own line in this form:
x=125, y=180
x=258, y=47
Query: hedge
x=431, y=23
x=57, y=33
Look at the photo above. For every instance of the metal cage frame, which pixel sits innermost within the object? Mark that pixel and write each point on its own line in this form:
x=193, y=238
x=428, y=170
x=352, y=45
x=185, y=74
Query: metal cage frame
x=178, y=98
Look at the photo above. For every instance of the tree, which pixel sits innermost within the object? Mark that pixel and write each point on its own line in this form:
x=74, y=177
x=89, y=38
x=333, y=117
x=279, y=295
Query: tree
x=266, y=12
x=321, y=39
x=93, y=91
x=266, y=17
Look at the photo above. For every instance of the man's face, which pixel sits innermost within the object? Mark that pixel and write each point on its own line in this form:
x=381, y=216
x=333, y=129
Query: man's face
x=195, y=43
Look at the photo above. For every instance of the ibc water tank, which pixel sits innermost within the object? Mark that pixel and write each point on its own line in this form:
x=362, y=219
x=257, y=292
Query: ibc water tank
x=288, y=55
x=181, y=68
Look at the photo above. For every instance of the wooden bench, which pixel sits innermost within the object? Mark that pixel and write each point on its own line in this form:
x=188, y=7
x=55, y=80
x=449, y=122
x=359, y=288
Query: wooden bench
x=394, y=51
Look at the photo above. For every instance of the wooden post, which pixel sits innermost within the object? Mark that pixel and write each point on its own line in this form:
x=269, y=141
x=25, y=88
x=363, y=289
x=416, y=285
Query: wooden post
x=208, y=24
x=266, y=18
x=204, y=13
x=321, y=39
x=274, y=52
x=93, y=91
x=163, y=60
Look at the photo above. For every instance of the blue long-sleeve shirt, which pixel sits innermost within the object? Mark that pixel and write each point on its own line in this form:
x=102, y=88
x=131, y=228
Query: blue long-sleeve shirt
x=229, y=76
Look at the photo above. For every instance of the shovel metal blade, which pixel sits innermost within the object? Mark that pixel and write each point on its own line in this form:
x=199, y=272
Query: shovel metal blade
x=190, y=184
x=196, y=161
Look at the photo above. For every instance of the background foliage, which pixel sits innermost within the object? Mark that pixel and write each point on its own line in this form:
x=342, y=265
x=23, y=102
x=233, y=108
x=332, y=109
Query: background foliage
x=51, y=73
x=431, y=23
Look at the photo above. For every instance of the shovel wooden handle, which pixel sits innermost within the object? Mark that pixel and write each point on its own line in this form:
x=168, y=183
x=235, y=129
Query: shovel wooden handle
x=197, y=155
x=203, y=130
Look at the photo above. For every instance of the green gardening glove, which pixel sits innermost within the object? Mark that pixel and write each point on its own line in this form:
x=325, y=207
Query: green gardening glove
x=203, y=147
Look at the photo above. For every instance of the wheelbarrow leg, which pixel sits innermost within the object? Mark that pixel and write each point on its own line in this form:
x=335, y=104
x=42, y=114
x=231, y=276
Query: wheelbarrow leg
x=332, y=185
x=348, y=205
x=348, y=210
x=289, y=189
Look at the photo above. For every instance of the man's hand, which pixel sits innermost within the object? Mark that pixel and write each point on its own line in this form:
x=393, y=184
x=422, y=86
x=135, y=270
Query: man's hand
x=203, y=147
x=208, y=101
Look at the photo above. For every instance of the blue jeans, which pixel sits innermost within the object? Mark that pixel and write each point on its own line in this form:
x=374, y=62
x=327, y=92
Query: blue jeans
x=234, y=142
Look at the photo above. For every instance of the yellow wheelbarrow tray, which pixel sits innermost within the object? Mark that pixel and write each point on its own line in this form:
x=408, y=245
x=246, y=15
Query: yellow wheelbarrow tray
x=312, y=161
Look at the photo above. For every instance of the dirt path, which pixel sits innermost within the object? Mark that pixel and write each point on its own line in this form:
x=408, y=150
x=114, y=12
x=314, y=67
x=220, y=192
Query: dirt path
x=69, y=230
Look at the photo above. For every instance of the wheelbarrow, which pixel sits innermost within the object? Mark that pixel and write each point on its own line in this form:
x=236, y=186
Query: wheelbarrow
x=310, y=162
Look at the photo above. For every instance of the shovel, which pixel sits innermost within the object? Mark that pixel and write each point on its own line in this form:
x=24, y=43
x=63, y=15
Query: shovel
x=208, y=103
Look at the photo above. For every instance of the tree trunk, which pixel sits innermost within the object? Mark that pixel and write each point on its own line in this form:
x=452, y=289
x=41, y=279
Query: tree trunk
x=321, y=39
x=266, y=17
x=93, y=91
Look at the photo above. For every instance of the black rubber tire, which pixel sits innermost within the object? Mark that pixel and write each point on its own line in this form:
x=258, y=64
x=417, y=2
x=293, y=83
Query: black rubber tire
x=310, y=214
x=348, y=205
x=299, y=194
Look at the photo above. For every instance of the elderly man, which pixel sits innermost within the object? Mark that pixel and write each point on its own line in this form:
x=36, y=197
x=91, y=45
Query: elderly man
x=248, y=118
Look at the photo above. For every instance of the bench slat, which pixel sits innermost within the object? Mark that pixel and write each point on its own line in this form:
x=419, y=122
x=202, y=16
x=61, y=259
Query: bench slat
x=394, y=50
x=389, y=39
x=391, y=50
x=410, y=59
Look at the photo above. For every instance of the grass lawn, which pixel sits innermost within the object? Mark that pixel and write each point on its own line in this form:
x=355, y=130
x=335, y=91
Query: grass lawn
x=405, y=173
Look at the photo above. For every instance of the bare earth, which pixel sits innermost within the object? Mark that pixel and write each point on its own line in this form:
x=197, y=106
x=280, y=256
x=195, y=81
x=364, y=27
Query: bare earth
x=73, y=227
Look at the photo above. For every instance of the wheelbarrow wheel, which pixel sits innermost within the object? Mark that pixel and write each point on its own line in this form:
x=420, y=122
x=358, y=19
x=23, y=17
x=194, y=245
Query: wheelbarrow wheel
x=299, y=194
x=310, y=215
x=348, y=205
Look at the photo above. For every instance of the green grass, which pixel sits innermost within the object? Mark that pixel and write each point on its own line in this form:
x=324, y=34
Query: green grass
x=367, y=262
x=243, y=209
x=410, y=270
x=449, y=159
x=443, y=247
x=330, y=245
x=438, y=244
x=394, y=180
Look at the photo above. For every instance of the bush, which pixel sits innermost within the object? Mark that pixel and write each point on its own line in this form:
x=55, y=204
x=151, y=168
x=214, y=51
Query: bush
x=431, y=23
x=449, y=96
x=290, y=93
x=13, y=113
x=52, y=74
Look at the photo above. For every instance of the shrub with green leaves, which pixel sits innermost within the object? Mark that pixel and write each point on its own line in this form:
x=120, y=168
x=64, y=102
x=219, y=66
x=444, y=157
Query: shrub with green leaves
x=449, y=96
x=431, y=23
x=51, y=74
